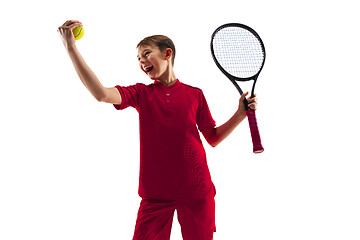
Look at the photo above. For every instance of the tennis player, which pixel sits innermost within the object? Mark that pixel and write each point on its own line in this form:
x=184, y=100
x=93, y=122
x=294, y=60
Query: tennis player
x=174, y=174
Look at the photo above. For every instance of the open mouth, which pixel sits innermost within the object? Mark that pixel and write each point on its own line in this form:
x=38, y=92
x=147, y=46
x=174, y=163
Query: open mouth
x=148, y=69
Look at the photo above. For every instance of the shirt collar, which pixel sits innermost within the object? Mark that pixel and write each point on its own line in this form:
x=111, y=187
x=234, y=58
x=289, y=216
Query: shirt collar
x=157, y=83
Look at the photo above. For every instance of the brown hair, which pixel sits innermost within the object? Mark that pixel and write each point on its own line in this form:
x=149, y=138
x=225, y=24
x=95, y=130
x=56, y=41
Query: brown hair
x=161, y=41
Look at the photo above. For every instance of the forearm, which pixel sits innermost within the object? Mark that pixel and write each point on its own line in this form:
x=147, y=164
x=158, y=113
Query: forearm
x=217, y=135
x=86, y=75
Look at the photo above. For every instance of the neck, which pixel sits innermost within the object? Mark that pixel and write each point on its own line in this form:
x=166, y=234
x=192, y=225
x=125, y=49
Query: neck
x=168, y=78
x=168, y=82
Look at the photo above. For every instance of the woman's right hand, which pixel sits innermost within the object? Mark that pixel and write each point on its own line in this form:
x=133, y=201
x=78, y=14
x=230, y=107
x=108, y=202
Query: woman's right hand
x=66, y=32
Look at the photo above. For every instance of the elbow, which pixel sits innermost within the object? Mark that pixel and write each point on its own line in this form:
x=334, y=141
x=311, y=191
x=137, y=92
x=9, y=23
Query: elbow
x=99, y=94
x=211, y=137
x=100, y=97
x=213, y=144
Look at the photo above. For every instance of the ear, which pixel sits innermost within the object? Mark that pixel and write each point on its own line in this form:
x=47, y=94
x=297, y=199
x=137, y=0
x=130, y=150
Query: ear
x=168, y=54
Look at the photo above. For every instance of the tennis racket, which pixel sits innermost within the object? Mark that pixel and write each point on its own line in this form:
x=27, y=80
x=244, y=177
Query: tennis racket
x=239, y=53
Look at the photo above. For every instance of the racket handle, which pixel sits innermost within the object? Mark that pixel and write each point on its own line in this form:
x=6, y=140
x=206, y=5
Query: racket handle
x=258, y=148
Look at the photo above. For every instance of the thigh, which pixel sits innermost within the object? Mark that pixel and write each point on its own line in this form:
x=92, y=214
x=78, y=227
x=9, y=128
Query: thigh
x=154, y=220
x=197, y=219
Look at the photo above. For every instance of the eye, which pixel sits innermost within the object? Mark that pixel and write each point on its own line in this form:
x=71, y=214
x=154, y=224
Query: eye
x=145, y=55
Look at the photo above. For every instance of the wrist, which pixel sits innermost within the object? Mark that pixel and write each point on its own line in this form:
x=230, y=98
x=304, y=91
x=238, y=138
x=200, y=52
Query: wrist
x=70, y=47
x=240, y=114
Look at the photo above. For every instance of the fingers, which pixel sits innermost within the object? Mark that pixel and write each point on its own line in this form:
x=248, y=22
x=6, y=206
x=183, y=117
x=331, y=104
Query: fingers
x=252, y=106
x=70, y=24
x=252, y=101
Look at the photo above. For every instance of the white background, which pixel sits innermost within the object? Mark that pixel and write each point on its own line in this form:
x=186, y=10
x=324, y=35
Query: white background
x=69, y=165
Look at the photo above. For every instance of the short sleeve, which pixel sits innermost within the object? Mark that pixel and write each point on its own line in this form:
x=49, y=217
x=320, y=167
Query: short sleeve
x=204, y=119
x=129, y=95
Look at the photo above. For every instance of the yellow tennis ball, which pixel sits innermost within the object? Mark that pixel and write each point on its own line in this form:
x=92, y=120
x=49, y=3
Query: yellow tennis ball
x=78, y=32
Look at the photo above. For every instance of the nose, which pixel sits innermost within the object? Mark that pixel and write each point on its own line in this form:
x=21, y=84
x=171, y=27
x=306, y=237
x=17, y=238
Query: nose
x=141, y=59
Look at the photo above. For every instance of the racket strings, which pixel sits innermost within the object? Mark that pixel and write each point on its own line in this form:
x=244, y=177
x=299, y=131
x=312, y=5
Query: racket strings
x=238, y=51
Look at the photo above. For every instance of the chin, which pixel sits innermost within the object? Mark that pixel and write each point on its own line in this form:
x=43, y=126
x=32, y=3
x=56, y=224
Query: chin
x=152, y=77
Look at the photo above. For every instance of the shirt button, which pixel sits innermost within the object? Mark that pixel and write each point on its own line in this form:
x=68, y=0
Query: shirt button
x=167, y=101
x=168, y=94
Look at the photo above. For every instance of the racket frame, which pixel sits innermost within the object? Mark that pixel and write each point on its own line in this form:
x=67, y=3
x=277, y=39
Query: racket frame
x=231, y=77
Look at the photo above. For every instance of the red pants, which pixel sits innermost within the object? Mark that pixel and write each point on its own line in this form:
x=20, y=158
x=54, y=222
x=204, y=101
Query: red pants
x=196, y=218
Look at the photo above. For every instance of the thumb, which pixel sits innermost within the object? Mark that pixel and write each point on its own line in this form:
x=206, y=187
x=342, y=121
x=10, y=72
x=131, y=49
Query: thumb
x=243, y=96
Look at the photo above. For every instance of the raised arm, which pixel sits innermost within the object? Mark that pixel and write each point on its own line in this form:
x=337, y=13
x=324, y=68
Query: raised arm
x=86, y=75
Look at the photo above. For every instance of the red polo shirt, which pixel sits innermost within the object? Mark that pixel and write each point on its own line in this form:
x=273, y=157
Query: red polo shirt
x=172, y=158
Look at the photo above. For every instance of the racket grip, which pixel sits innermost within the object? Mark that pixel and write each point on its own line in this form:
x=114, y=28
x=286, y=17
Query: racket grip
x=258, y=148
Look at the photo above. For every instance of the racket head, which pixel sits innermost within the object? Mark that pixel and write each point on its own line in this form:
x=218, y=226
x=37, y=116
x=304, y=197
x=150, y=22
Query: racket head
x=238, y=51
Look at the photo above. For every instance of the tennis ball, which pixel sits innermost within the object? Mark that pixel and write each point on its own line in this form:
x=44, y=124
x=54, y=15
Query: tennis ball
x=78, y=32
